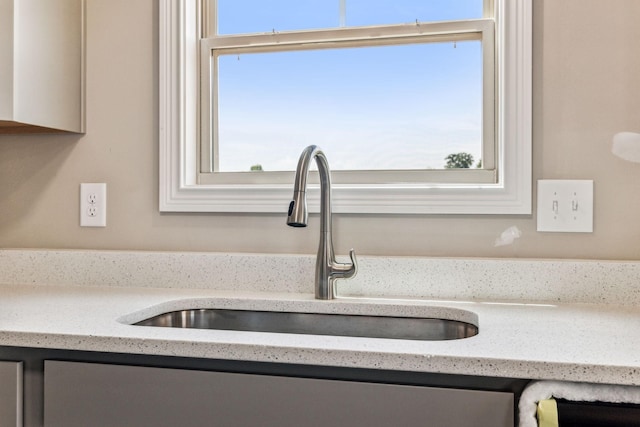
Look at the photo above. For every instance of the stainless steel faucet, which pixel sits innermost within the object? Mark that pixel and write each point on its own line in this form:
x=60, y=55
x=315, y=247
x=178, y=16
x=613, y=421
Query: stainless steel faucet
x=327, y=269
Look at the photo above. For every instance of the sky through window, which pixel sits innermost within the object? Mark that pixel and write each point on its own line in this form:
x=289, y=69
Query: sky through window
x=385, y=107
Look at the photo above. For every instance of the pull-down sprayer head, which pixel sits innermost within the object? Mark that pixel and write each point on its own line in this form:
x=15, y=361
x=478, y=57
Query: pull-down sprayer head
x=298, y=214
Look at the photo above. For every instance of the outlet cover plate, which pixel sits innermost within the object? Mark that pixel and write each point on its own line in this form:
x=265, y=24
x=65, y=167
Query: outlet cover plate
x=93, y=205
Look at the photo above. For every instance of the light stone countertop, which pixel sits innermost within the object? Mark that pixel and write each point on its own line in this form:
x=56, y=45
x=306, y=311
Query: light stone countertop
x=576, y=342
x=575, y=320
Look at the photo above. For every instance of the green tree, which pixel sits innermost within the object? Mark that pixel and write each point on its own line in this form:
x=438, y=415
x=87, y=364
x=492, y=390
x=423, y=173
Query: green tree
x=459, y=161
x=257, y=168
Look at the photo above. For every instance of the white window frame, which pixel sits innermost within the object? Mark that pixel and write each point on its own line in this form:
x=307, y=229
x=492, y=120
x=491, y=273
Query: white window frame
x=480, y=30
x=181, y=189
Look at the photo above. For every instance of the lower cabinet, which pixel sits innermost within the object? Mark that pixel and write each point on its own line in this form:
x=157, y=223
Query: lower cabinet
x=10, y=394
x=105, y=395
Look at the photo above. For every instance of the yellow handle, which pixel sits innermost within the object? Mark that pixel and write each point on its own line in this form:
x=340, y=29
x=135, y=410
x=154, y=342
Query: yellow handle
x=547, y=413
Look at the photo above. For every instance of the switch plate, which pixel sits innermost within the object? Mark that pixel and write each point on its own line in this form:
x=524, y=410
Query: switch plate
x=93, y=205
x=565, y=206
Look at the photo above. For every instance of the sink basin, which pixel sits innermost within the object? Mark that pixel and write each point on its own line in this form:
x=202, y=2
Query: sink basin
x=405, y=328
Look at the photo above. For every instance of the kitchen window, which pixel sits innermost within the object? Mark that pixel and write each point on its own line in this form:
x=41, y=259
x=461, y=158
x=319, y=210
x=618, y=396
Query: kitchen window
x=388, y=100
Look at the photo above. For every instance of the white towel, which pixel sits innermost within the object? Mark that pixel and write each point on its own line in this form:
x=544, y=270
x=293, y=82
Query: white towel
x=577, y=392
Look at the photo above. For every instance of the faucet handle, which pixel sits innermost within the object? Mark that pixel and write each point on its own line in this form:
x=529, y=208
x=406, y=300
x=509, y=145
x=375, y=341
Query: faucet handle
x=345, y=270
x=353, y=269
x=354, y=261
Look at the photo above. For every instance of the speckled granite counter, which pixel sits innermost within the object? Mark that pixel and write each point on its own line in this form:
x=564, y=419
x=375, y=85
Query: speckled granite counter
x=567, y=341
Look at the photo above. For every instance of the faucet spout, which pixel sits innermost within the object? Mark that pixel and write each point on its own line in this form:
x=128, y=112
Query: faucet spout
x=327, y=268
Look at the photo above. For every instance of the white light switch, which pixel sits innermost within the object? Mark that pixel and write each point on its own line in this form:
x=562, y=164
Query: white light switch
x=565, y=205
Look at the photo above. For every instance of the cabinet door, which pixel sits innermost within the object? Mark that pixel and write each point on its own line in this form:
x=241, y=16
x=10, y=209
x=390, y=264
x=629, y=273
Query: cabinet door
x=97, y=395
x=10, y=394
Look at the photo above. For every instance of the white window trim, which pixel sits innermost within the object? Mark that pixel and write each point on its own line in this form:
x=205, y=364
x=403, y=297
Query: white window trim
x=179, y=126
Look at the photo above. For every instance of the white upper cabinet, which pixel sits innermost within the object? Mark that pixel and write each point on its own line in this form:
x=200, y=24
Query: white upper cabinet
x=41, y=66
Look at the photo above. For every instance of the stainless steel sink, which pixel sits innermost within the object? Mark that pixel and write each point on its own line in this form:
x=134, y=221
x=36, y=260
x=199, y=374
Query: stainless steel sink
x=405, y=328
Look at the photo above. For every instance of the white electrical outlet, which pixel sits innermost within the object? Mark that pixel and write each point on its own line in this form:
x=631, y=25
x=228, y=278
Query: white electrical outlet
x=565, y=206
x=93, y=205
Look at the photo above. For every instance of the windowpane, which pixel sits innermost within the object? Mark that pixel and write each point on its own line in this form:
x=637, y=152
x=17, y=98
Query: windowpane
x=259, y=16
x=384, y=12
x=385, y=107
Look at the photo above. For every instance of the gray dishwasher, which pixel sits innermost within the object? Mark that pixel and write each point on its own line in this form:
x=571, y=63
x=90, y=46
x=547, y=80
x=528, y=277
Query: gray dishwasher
x=104, y=395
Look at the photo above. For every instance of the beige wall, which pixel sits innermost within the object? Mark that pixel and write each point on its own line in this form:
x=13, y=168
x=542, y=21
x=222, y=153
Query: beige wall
x=586, y=88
